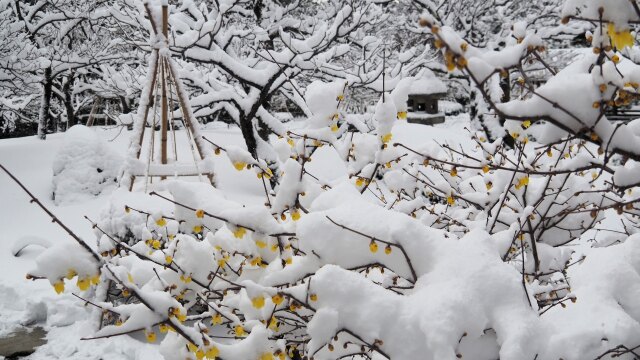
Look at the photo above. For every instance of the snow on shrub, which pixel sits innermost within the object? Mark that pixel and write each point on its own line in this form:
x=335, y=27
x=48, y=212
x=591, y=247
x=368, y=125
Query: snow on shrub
x=84, y=166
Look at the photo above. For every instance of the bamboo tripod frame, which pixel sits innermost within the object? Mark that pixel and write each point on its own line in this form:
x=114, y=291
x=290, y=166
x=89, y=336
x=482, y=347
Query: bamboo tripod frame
x=161, y=64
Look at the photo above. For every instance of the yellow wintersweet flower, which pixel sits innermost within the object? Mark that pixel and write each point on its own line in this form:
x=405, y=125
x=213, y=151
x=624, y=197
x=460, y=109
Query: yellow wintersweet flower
x=620, y=39
x=151, y=336
x=83, y=284
x=273, y=324
x=216, y=319
x=277, y=299
x=239, y=165
x=258, y=302
x=71, y=273
x=212, y=353
x=402, y=115
x=239, y=330
x=58, y=286
x=239, y=234
x=386, y=138
x=95, y=279
x=451, y=200
x=267, y=356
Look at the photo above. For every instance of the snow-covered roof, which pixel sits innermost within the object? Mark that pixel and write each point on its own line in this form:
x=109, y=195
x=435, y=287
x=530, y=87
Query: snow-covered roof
x=426, y=84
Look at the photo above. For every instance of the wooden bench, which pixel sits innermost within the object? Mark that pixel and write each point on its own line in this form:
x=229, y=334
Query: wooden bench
x=623, y=115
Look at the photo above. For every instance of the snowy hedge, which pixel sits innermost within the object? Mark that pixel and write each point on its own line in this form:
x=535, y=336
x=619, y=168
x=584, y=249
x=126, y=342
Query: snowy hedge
x=84, y=166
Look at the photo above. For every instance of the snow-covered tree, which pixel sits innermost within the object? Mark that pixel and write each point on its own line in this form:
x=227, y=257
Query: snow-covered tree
x=51, y=47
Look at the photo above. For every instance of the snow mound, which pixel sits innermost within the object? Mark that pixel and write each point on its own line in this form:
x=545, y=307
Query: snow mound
x=83, y=167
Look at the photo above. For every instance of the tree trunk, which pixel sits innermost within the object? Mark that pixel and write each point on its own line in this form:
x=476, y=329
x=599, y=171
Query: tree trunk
x=124, y=105
x=246, y=127
x=68, y=99
x=45, y=105
x=505, y=86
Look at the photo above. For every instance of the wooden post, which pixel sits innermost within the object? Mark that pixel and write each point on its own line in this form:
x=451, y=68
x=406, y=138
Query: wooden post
x=165, y=105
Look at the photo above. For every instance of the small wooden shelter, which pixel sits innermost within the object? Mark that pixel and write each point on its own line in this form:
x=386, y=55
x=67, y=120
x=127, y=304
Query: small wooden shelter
x=424, y=94
x=165, y=88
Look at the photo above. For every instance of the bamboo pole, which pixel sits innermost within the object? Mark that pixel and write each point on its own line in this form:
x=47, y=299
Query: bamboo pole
x=165, y=104
x=154, y=69
x=187, y=116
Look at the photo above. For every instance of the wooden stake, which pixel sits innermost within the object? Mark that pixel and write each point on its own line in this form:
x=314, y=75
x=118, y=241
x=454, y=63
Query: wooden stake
x=154, y=69
x=187, y=116
x=165, y=105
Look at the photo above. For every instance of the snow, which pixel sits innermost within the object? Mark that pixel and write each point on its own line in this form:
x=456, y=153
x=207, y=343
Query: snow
x=426, y=84
x=465, y=300
x=84, y=166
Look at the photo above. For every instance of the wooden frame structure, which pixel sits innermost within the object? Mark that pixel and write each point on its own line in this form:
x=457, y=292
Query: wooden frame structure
x=162, y=81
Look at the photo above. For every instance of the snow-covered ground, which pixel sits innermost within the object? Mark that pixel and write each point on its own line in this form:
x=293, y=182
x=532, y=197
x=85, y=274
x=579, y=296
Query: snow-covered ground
x=25, y=302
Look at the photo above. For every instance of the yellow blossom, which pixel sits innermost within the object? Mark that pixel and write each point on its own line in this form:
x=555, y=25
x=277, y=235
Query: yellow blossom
x=239, y=233
x=258, y=302
x=83, y=283
x=277, y=299
x=620, y=39
x=451, y=200
x=71, y=273
x=151, y=336
x=58, y=286
x=95, y=279
x=267, y=356
x=212, y=353
x=239, y=330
